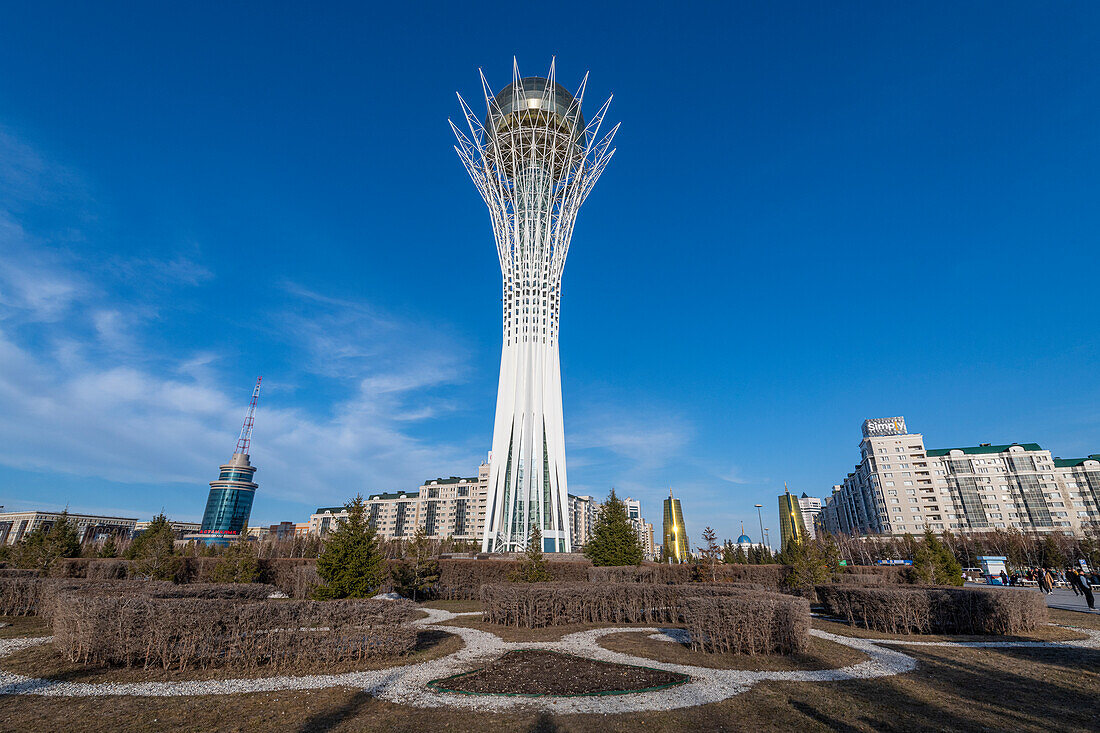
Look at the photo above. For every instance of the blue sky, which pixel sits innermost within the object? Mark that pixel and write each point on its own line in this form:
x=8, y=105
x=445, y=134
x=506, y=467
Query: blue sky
x=817, y=213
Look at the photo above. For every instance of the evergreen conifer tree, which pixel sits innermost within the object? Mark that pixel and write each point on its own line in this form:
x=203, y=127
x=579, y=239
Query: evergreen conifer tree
x=614, y=541
x=417, y=575
x=532, y=568
x=237, y=564
x=41, y=550
x=154, y=551
x=351, y=565
x=109, y=548
x=934, y=564
x=812, y=562
x=711, y=552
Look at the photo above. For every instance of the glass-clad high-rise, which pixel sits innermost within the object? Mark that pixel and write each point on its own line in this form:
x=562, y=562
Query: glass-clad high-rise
x=675, y=534
x=230, y=502
x=791, y=526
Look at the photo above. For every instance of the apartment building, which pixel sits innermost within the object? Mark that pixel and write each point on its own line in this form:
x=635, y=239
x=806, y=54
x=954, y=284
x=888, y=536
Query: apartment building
x=643, y=528
x=583, y=511
x=901, y=487
x=455, y=508
x=444, y=507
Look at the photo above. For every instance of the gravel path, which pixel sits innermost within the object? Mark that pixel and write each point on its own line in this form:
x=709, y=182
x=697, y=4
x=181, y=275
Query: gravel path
x=408, y=684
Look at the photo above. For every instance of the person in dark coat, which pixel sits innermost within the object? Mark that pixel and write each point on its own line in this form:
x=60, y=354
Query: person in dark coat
x=1083, y=584
x=1004, y=578
x=1071, y=581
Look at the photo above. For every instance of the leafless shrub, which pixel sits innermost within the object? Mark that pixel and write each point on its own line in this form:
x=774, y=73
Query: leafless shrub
x=761, y=623
x=180, y=633
x=936, y=610
x=462, y=579
x=19, y=595
x=70, y=567
x=286, y=574
x=113, y=569
x=534, y=605
x=767, y=576
x=18, y=573
x=40, y=596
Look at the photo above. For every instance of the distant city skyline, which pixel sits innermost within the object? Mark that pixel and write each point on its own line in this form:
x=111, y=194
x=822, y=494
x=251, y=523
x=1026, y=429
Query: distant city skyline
x=814, y=217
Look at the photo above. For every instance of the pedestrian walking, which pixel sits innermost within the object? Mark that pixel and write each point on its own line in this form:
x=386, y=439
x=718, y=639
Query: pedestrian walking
x=1004, y=578
x=1086, y=587
x=1071, y=580
x=1046, y=583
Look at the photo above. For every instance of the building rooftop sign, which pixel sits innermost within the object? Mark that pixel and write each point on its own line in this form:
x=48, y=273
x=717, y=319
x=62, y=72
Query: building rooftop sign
x=879, y=426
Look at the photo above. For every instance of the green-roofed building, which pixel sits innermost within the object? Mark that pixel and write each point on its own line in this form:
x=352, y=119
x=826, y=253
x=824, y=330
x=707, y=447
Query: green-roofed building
x=901, y=487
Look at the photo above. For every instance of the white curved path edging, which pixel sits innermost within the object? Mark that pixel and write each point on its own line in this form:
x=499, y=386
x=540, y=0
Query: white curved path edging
x=407, y=684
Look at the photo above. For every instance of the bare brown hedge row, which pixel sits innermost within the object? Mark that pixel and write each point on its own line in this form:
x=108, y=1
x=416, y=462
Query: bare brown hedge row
x=18, y=573
x=39, y=596
x=180, y=633
x=297, y=577
x=926, y=610
x=462, y=579
x=769, y=576
x=761, y=623
x=273, y=571
x=534, y=605
x=721, y=618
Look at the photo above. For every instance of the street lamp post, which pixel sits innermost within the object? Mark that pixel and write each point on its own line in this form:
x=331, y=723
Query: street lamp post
x=768, y=540
x=761, y=518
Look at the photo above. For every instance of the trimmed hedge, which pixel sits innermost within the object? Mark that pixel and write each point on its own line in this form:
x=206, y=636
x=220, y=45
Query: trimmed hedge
x=768, y=576
x=40, y=596
x=462, y=579
x=936, y=610
x=762, y=623
x=721, y=618
x=178, y=633
x=534, y=605
x=18, y=573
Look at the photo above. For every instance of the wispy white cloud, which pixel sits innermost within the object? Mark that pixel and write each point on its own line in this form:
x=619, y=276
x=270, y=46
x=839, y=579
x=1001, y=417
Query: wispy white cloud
x=83, y=392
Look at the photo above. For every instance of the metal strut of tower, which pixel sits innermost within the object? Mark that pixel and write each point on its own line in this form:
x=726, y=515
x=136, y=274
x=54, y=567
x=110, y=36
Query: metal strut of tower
x=245, y=439
x=534, y=160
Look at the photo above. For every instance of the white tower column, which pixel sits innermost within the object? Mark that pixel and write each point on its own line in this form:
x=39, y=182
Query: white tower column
x=534, y=160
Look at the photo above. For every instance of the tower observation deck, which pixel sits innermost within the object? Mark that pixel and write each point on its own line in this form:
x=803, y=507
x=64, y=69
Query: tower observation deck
x=534, y=159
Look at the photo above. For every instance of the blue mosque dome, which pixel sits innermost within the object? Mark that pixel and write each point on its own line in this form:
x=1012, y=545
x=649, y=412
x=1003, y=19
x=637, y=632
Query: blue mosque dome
x=744, y=540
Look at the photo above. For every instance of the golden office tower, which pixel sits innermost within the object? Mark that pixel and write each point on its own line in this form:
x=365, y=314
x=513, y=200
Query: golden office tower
x=791, y=527
x=676, y=537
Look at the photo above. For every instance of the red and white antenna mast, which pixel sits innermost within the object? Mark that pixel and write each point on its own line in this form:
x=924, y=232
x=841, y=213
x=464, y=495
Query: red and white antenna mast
x=246, y=430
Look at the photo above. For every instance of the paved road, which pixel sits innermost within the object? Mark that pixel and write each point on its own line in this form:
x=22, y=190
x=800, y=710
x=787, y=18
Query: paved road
x=1061, y=598
x=1064, y=598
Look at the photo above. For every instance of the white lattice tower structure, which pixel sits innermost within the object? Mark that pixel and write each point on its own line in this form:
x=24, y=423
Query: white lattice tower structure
x=534, y=160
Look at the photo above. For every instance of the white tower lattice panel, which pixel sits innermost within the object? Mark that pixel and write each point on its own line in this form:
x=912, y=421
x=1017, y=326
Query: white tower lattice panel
x=534, y=160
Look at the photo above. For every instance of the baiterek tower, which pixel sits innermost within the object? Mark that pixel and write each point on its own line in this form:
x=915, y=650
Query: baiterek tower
x=534, y=160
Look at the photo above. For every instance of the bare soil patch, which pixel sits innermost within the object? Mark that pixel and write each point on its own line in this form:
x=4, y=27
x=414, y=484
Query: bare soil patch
x=21, y=627
x=47, y=662
x=822, y=654
x=539, y=672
